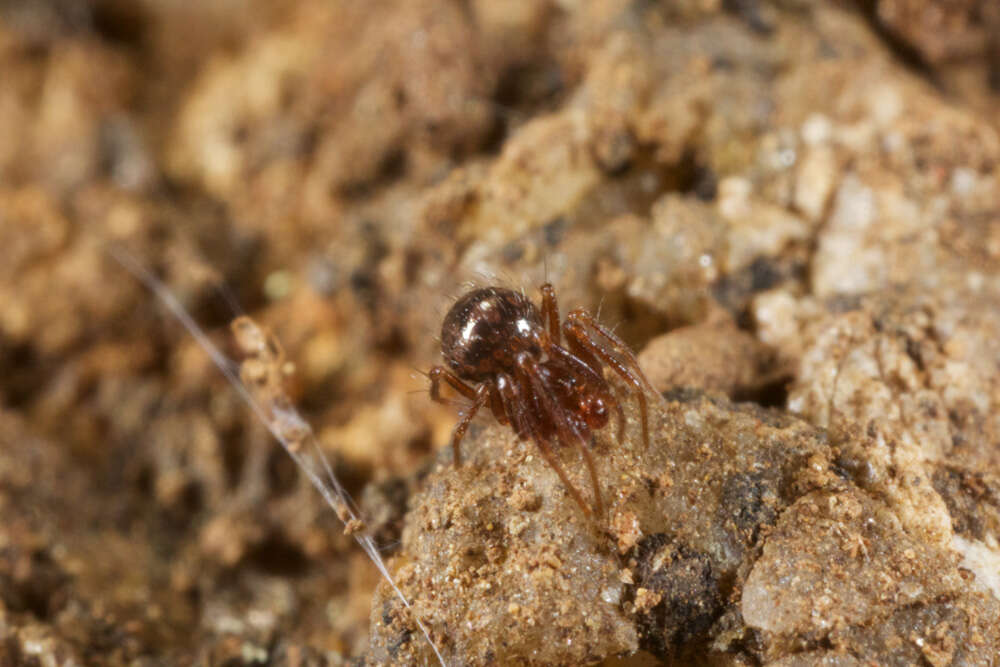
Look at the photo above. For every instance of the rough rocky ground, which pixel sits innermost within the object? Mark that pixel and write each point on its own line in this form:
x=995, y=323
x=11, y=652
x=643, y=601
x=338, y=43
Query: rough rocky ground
x=791, y=208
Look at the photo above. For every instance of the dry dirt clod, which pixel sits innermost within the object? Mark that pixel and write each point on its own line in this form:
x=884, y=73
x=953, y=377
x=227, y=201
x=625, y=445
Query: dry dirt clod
x=563, y=573
x=757, y=527
x=787, y=202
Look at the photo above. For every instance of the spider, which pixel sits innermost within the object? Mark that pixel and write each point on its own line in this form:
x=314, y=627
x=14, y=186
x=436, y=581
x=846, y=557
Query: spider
x=502, y=352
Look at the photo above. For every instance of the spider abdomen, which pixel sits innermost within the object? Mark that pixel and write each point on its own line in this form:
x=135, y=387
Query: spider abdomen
x=486, y=329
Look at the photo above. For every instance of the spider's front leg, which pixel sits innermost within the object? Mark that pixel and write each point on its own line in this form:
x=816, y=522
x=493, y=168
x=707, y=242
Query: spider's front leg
x=550, y=312
x=535, y=384
x=438, y=374
x=479, y=397
x=482, y=396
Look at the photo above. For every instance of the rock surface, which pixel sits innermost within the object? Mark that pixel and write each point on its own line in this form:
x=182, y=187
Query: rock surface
x=790, y=208
x=736, y=533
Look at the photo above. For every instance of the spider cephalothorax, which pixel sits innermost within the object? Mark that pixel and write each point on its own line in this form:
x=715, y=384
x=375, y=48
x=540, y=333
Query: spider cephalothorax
x=505, y=353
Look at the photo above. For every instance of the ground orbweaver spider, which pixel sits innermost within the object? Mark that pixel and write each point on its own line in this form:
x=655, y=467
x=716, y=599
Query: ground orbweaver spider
x=503, y=353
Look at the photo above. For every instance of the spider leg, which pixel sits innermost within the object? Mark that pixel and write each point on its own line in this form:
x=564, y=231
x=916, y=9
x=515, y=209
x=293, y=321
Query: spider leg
x=582, y=352
x=579, y=324
x=567, y=431
x=594, y=364
x=496, y=404
x=581, y=316
x=588, y=458
x=546, y=452
x=511, y=400
x=527, y=425
x=593, y=374
x=439, y=373
x=550, y=311
x=482, y=396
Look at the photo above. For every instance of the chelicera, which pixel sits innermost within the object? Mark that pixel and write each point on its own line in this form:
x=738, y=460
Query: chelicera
x=503, y=353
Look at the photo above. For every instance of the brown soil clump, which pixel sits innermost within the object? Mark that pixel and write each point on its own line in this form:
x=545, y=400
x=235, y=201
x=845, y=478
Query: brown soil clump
x=789, y=208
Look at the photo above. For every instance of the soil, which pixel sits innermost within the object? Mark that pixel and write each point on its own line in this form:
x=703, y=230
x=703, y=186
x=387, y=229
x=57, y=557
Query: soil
x=790, y=210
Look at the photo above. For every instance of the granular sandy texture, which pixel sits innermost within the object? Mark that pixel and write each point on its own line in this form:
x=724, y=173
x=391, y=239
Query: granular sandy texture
x=734, y=535
x=789, y=208
x=506, y=568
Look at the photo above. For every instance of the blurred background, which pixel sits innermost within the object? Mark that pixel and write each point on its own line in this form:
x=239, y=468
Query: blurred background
x=339, y=171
